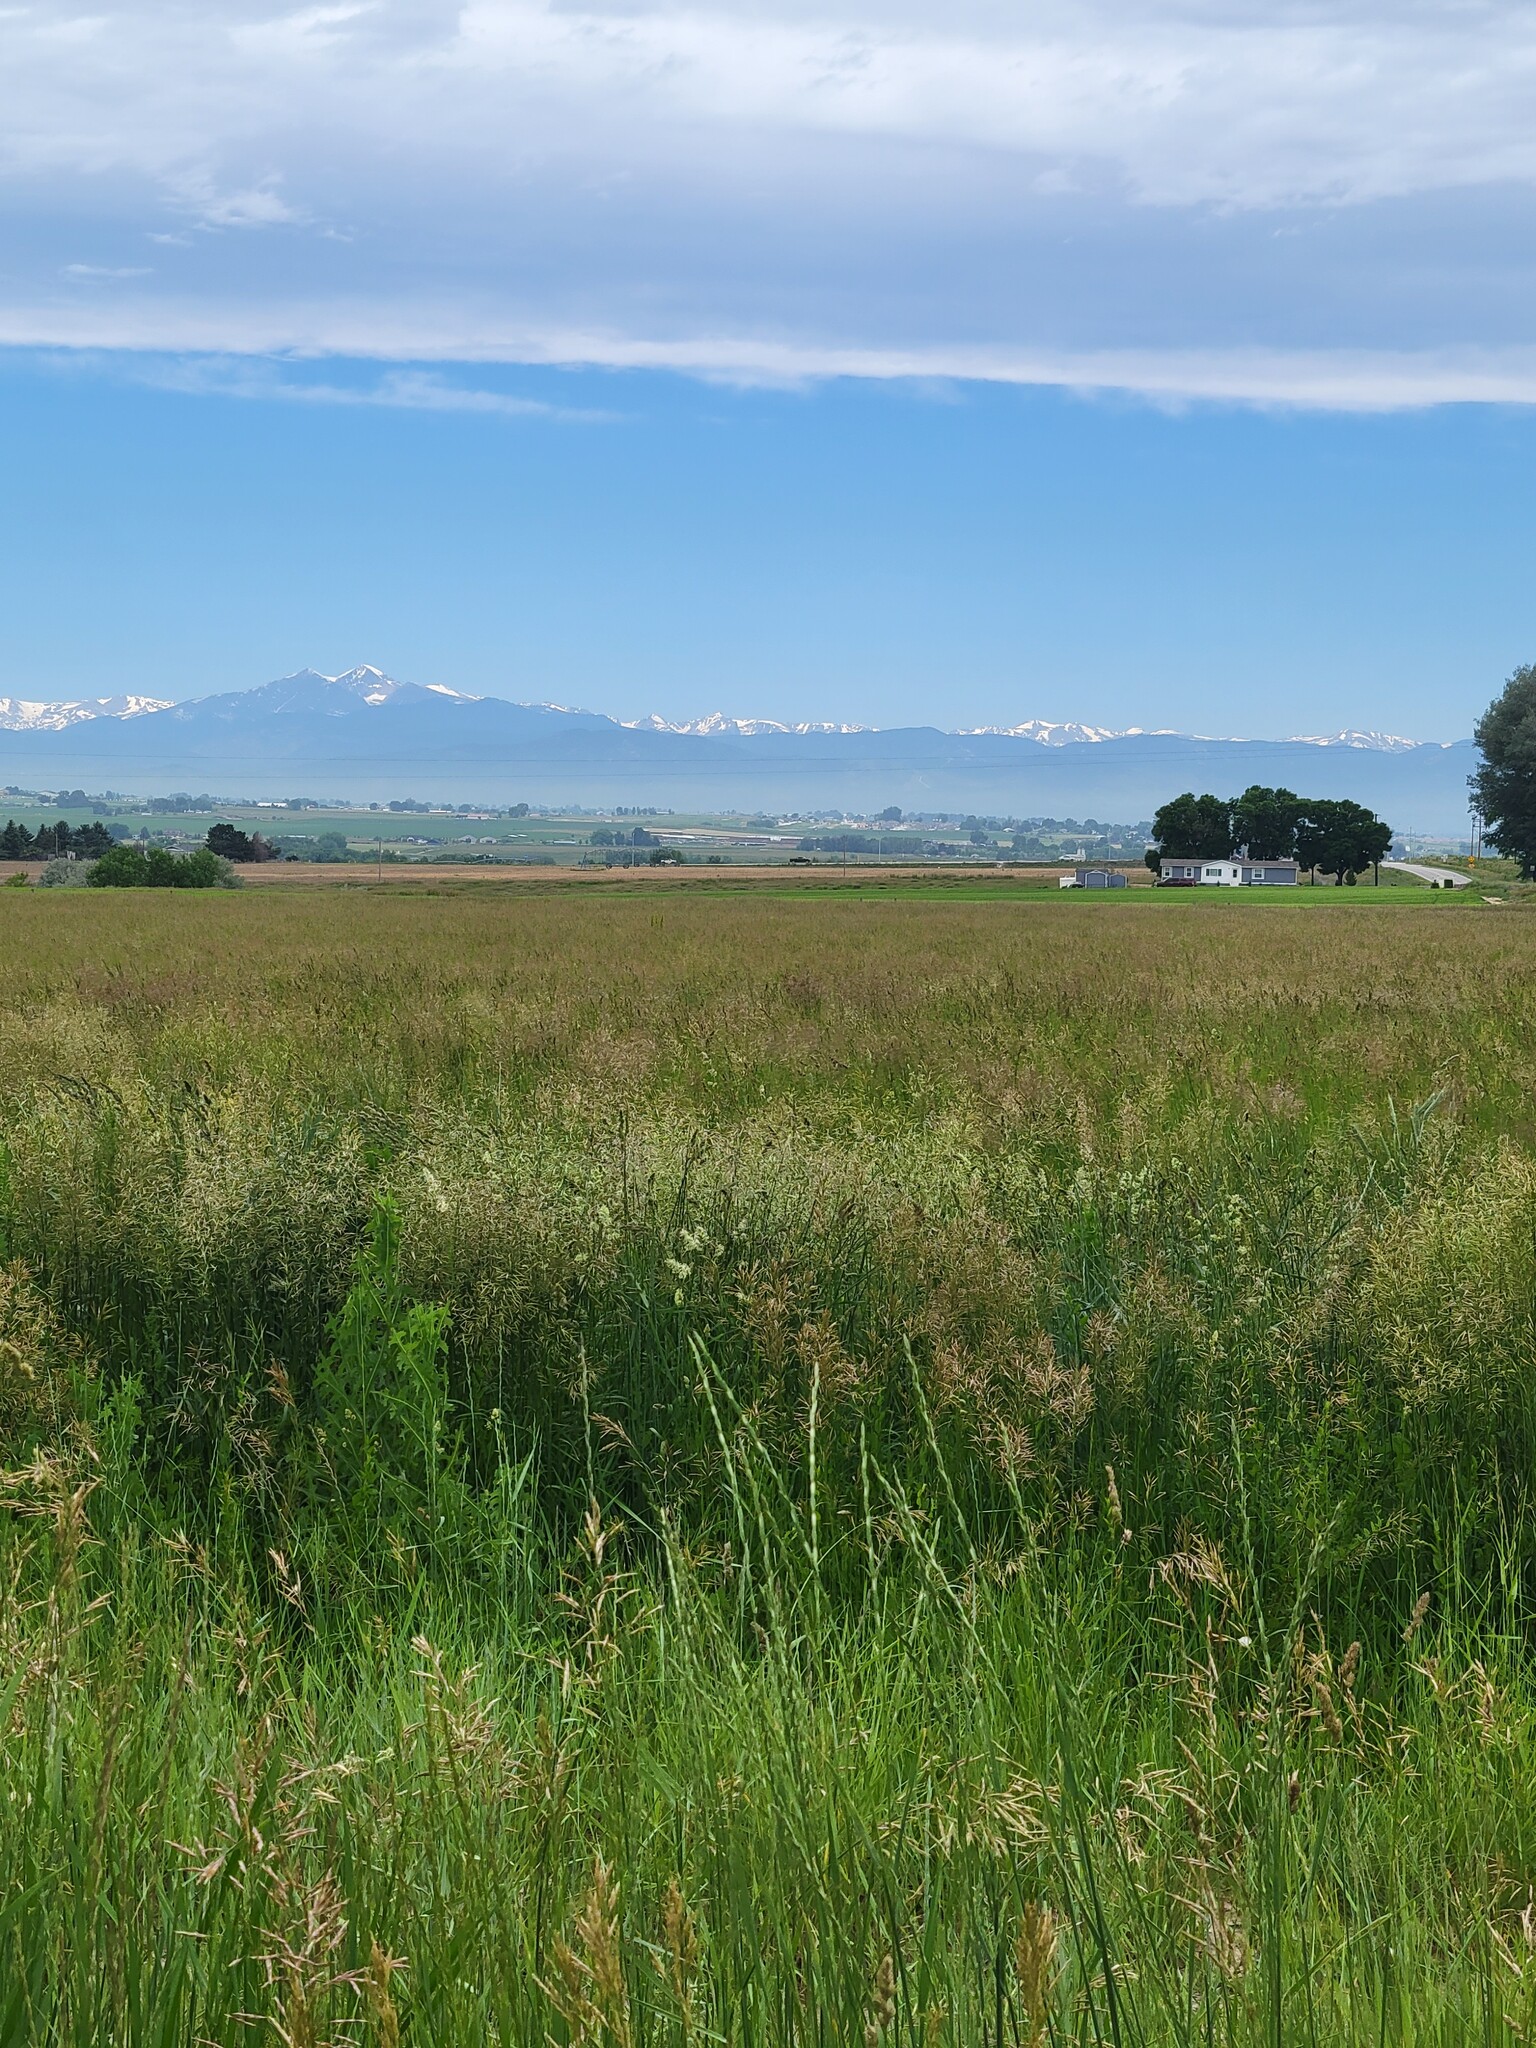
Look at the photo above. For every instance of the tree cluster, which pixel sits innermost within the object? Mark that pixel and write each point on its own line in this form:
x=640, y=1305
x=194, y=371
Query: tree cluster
x=604, y=835
x=153, y=867
x=326, y=847
x=179, y=802
x=230, y=843
x=53, y=842
x=1328, y=835
x=842, y=842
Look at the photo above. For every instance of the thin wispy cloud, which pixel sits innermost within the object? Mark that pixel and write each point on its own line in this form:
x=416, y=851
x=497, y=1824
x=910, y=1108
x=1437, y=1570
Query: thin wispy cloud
x=397, y=390
x=258, y=206
x=1321, y=203
x=1354, y=381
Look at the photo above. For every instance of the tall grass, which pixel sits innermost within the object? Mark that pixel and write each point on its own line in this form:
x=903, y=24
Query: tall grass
x=765, y=1470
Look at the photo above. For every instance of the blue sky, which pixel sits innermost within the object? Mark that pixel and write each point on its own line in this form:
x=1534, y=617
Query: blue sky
x=1143, y=363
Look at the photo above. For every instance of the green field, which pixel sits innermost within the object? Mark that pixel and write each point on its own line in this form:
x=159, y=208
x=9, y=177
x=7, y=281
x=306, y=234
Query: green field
x=494, y=836
x=645, y=1464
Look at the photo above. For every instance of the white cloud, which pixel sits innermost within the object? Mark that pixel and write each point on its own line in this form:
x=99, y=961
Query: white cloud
x=256, y=206
x=399, y=390
x=1255, y=107
x=1325, y=380
x=1295, y=199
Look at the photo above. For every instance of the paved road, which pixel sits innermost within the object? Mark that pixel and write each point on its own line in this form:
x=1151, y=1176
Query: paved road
x=1413, y=867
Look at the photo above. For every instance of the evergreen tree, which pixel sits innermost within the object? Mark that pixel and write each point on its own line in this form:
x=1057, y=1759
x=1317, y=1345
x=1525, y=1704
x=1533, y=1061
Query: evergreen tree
x=229, y=842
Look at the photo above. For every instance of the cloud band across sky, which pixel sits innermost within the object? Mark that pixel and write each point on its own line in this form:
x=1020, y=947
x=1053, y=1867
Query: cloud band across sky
x=1320, y=205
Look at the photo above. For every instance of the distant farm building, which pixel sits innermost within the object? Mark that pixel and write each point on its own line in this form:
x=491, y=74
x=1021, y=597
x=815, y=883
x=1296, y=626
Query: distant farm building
x=1230, y=874
x=1093, y=878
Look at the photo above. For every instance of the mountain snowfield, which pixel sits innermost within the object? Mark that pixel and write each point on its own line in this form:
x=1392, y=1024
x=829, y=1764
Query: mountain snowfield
x=374, y=687
x=370, y=685
x=716, y=723
x=1068, y=734
x=25, y=714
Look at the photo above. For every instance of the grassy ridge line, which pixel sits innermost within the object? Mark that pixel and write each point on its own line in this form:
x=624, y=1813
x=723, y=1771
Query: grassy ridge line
x=766, y=1470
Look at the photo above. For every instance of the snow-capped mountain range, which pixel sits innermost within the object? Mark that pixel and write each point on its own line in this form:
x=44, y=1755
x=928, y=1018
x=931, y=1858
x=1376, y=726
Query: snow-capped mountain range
x=1051, y=733
x=373, y=736
x=24, y=714
x=372, y=686
x=716, y=724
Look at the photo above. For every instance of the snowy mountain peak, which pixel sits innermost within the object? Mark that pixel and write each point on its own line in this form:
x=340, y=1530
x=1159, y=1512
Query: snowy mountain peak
x=1068, y=733
x=26, y=714
x=1054, y=732
x=374, y=687
x=1370, y=742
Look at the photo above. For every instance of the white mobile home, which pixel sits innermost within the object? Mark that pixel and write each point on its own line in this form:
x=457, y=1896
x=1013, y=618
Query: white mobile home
x=1230, y=874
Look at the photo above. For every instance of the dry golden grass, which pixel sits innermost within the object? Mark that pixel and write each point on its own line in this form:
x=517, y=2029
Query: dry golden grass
x=669, y=983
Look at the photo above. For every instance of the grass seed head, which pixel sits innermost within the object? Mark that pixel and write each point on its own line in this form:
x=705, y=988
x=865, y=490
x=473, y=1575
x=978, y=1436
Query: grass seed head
x=597, y=1929
x=376, y=1982
x=1034, y=1965
x=682, y=1951
x=882, y=2001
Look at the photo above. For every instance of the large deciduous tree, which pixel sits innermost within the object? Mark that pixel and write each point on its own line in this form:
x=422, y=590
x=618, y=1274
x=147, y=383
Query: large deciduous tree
x=1504, y=788
x=1341, y=838
x=1264, y=822
x=1194, y=827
